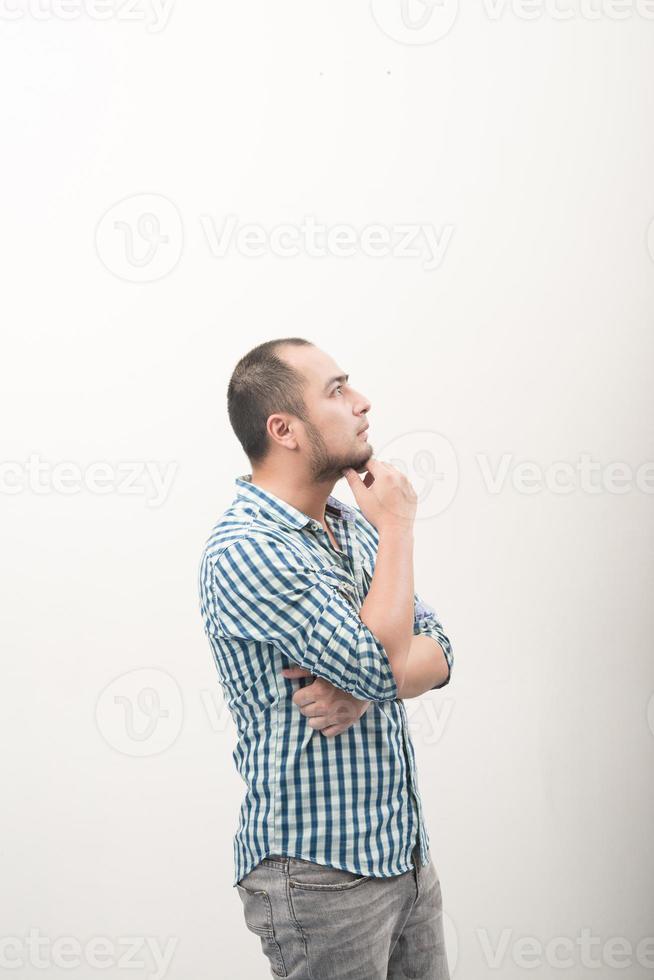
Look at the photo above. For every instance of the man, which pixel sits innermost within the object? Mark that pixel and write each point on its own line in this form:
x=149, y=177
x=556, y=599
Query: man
x=318, y=636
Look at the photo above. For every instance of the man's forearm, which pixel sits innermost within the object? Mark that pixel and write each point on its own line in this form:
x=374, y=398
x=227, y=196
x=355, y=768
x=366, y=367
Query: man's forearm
x=426, y=667
x=389, y=605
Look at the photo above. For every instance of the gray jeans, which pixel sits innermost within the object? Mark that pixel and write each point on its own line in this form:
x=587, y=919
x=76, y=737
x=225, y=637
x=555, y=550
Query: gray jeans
x=321, y=923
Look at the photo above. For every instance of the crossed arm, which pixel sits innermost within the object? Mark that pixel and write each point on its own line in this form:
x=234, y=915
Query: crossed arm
x=332, y=711
x=261, y=590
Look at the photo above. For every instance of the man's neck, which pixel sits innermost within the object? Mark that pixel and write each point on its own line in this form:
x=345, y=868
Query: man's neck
x=310, y=499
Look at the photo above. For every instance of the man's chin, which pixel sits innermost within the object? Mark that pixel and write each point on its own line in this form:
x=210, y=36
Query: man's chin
x=361, y=465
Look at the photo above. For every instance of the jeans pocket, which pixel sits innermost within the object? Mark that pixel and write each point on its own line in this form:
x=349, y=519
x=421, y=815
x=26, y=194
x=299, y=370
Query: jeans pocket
x=257, y=910
x=309, y=876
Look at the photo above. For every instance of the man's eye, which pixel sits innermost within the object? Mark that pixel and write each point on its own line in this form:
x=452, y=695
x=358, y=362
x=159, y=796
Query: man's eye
x=337, y=387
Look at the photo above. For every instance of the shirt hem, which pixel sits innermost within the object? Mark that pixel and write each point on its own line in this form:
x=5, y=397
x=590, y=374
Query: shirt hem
x=339, y=867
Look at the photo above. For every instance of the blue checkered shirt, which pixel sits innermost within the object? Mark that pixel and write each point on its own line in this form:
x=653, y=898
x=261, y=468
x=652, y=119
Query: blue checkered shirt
x=274, y=593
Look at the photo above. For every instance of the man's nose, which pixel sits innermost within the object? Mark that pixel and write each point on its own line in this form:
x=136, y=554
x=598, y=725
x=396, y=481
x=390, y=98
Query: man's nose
x=361, y=403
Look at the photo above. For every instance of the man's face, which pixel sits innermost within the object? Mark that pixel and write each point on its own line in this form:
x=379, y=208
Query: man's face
x=337, y=413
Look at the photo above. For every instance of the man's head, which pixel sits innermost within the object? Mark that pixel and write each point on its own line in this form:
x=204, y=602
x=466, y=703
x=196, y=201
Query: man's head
x=290, y=405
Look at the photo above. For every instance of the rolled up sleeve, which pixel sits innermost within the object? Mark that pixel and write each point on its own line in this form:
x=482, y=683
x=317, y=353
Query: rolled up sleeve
x=426, y=622
x=264, y=591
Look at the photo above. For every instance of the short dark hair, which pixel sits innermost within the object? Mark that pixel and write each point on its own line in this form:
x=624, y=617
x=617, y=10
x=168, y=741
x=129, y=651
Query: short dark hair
x=263, y=383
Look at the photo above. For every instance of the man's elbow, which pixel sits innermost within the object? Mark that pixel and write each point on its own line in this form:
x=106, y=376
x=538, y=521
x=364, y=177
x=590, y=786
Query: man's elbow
x=427, y=667
x=441, y=668
x=444, y=672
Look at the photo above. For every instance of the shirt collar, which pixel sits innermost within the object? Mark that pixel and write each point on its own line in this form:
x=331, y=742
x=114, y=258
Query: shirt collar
x=283, y=512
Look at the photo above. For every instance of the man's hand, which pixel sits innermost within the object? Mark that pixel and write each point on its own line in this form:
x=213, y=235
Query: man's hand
x=385, y=496
x=329, y=709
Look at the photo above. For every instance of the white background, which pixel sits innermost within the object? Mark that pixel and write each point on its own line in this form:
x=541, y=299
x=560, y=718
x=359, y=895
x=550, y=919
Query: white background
x=532, y=141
